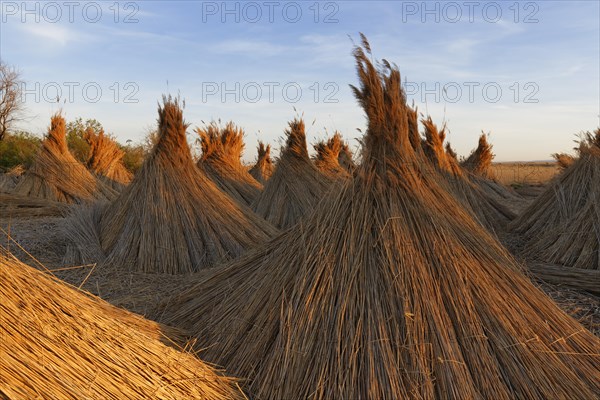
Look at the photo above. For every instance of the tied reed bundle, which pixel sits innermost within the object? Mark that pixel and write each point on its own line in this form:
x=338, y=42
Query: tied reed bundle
x=479, y=161
x=9, y=179
x=221, y=161
x=295, y=187
x=263, y=168
x=389, y=291
x=171, y=218
x=562, y=225
x=57, y=176
x=59, y=343
x=106, y=159
x=327, y=158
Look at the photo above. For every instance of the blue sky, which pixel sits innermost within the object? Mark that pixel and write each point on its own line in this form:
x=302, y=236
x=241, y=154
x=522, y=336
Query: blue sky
x=528, y=72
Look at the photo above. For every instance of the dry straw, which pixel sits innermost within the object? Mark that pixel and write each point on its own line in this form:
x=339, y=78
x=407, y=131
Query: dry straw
x=389, y=291
x=490, y=211
x=263, y=168
x=56, y=175
x=296, y=185
x=60, y=343
x=17, y=206
x=9, y=179
x=563, y=160
x=106, y=159
x=221, y=161
x=562, y=226
x=479, y=161
x=171, y=218
x=327, y=158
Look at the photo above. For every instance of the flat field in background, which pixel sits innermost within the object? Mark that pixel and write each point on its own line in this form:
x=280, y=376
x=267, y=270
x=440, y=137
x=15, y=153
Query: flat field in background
x=525, y=173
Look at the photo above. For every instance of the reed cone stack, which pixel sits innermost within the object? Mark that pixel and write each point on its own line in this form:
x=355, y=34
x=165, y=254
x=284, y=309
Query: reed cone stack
x=479, y=161
x=563, y=160
x=327, y=158
x=345, y=158
x=296, y=185
x=487, y=209
x=451, y=153
x=221, y=162
x=389, y=291
x=562, y=225
x=106, y=160
x=9, y=179
x=171, y=218
x=57, y=176
x=60, y=343
x=263, y=168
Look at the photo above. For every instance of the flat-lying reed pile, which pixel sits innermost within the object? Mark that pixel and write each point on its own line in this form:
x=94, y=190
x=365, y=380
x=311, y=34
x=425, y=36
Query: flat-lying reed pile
x=327, y=157
x=17, y=206
x=60, y=343
x=562, y=225
x=389, y=291
x=221, y=161
x=106, y=160
x=296, y=185
x=171, y=218
x=56, y=175
x=263, y=168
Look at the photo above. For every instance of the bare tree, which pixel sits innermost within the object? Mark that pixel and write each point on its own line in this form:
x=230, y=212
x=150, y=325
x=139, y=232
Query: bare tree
x=11, y=105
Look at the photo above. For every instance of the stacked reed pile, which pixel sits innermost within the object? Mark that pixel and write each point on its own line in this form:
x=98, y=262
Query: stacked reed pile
x=389, y=291
x=9, y=179
x=221, y=161
x=56, y=175
x=106, y=160
x=327, y=158
x=263, y=168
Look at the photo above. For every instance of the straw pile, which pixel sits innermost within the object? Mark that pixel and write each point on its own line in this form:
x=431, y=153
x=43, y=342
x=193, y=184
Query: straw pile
x=480, y=159
x=16, y=206
x=221, y=161
x=562, y=226
x=106, y=160
x=487, y=209
x=9, y=179
x=389, y=291
x=58, y=342
x=563, y=160
x=327, y=158
x=345, y=158
x=263, y=168
x=56, y=175
x=296, y=185
x=171, y=218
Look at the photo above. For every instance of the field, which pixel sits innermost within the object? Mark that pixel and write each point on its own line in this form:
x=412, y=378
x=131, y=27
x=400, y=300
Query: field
x=524, y=173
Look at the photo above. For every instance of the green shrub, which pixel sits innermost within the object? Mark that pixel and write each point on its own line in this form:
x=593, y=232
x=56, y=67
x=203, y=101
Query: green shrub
x=18, y=148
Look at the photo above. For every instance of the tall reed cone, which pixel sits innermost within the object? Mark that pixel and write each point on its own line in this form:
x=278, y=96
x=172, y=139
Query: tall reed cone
x=221, y=162
x=172, y=218
x=390, y=291
x=563, y=160
x=106, y=160
x=263, y=168
x=562, y=226
x=295, y=187
x=345, y=158
x=490, y=211
x=327, y=158
x=57, y=176
x=59, y=343
x=479, y=161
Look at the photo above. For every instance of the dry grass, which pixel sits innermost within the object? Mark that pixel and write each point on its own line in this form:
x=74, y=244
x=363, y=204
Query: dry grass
x=296, y=185
x=58, y=342
x=327, y=157
x=171, y=218
x=524, y=174
x=390, y=290
x=263, y=168
x=56, y=175
x=221, y=162
x=106, y=160
x=480, y=159
x=16, y=206
x=562, y=226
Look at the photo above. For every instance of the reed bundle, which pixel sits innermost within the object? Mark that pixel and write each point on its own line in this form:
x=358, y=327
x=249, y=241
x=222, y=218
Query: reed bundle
x=221, y=161
x=479, y=161
x=171, y=218
x=58, y=342
x=390, y=290
x=327, y=158
x=563, y=160
x=296, y=185
x=9, y=179
x=263, y=168
x=56, y=175
x=17, y=206
x=106, y=160
x=562, y=225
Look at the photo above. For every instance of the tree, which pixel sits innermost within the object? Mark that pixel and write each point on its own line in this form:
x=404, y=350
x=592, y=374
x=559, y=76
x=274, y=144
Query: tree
x=11, y=103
